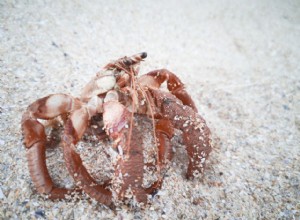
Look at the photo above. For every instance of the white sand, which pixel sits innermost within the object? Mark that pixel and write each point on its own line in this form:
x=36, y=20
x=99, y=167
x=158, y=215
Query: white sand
x=239, y=60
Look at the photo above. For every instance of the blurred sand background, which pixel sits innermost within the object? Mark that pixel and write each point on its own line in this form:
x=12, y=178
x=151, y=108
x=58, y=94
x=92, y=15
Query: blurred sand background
x=239, y=60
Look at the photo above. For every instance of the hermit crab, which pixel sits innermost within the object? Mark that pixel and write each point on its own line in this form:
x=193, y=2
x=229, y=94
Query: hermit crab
x=117, y=95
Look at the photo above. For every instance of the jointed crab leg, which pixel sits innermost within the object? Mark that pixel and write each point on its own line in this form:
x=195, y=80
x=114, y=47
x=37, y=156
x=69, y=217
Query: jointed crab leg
x=164, y=132
x=74, y=129
x=155, y=78
x=130, y=167
x=196, y=134
x=35, y=139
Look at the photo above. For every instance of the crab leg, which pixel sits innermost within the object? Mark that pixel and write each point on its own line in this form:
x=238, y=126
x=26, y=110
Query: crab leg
x=155, y=78
x=130, y=166
x=74, y=129
x=35, y=139
x=196, y=134
x=164, y=131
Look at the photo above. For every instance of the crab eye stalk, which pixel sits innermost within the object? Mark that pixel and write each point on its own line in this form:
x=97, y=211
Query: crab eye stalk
x=143, y=55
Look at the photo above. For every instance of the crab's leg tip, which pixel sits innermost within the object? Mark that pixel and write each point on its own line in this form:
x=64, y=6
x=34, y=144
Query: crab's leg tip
x=143, y=55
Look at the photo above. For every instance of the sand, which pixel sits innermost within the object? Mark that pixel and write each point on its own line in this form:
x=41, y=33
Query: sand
x=239, y=61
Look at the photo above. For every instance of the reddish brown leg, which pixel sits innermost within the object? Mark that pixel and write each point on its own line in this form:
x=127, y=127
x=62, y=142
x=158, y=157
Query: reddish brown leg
x=164, y=131
x=175, y=86
x=35, y=140
x=196, y=134
x=130, y=167
x=74, y=129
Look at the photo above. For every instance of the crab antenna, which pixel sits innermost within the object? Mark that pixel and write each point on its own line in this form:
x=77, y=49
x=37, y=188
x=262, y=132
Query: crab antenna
x=133, y=109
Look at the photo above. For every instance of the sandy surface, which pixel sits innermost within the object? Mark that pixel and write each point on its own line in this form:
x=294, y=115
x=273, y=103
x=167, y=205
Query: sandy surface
x=239, y=61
